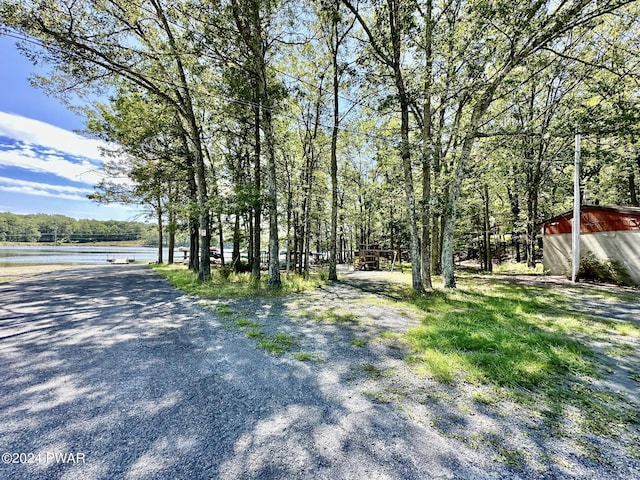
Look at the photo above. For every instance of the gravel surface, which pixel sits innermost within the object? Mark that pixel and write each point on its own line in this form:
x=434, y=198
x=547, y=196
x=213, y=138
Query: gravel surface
x=131, y=379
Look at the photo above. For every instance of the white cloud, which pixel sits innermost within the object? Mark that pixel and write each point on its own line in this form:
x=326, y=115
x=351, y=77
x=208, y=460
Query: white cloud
x=13, y=185
x=39, y=133
x=85, y=171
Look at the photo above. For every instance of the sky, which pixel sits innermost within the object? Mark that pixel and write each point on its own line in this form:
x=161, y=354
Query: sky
x=45, y=167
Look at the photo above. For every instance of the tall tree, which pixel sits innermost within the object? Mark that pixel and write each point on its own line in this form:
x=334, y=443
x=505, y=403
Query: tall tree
x=393, y=22
x=96, y=43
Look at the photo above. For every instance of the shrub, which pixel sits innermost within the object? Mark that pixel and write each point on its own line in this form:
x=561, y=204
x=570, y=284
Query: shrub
x=602, y=270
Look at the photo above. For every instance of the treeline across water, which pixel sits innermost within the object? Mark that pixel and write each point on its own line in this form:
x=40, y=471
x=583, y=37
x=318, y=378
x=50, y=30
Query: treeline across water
x=61, y=229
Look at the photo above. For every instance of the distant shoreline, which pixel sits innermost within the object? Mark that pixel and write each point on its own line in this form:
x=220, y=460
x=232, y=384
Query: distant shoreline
x=124, y=243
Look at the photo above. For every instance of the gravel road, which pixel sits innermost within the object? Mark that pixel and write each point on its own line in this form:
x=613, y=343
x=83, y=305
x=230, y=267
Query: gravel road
x=110, y=373
x=130, y=379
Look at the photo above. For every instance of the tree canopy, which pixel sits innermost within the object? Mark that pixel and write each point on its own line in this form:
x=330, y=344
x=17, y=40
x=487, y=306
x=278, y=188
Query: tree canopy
x=440, y=129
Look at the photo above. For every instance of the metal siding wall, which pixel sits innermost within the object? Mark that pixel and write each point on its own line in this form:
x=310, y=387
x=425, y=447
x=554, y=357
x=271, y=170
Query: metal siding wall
x=623, y=246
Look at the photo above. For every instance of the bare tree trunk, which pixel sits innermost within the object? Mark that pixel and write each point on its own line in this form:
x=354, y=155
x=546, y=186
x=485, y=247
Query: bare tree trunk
x=272, y=199
x=235, y=255
x=532, y=214
x=333, y=275
x=257, y=211
x=487, y=230
x=160, y=228
x=172, y=235
x=633, y=190
x=427, y=152
x=448, y=267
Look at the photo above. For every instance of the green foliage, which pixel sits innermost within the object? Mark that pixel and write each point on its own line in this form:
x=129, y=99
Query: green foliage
x=58, y=228
x=602, y=270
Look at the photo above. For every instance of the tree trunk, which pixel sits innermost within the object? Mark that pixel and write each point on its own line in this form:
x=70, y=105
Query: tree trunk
x=515, y=217
x=448, y=268
x=183, y=92
x=427, y=152
x=257, y=211
x=160, y=229
x=487, y=230
x=221, y=238
x=272, y=190
x=633, y=190
x=172, y=235
x=532, y=214
x=235, y=255
x=436, y=244
x=405, y=151
x=333, y=275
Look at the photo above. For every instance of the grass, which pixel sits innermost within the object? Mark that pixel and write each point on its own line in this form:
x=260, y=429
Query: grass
x=234, y=285
x=336, y=315
x=521, y=343
x=518, y=268
x=371, y=370
x=277, y=344
x=303, y=356
x=244, y=322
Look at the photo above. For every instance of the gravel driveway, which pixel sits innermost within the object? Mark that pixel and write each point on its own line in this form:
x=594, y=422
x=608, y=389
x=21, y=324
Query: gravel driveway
x=110, y=373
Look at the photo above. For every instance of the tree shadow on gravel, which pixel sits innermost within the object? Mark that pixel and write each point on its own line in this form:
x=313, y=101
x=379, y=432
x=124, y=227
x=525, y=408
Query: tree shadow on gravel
x=511, y=356
x=115, y=367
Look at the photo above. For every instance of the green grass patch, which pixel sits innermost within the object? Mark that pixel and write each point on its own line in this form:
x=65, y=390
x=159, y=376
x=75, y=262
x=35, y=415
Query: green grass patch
x=485, y=398
x=620, y=351
x=522, y=342
x=371, y=370
x=634, y=448
x=518, y=268
x=255, y=332
x=277, y=344
x=336, y=315
x=303, y=356
x=225, y=284
x=359, y=342
x=245, y=322
x=224, y=311
x=376, y=397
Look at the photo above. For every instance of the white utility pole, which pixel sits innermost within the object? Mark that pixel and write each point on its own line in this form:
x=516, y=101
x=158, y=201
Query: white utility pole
x=575, y=225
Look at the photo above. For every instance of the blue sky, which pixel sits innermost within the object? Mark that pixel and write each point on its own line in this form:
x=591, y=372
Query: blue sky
x=44, y=166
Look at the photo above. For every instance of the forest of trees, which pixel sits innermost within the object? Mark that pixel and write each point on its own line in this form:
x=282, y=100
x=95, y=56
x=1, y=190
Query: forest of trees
x=61, y=229
x=432, y=127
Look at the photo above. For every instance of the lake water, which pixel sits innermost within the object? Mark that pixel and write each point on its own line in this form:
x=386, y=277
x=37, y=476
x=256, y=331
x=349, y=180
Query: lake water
x=81, y=255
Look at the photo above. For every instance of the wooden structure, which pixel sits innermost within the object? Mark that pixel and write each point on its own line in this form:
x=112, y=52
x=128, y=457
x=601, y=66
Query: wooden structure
x=610, y=233
x=372, y=257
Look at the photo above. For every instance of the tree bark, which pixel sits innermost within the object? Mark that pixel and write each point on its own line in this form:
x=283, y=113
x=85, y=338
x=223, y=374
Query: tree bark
x=257, y=209
x=633, y=190
x=160, y=228
x=487, y=230
x=333, y=275
x=427, y=152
